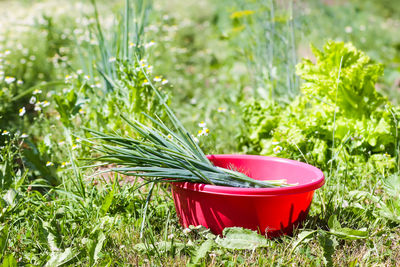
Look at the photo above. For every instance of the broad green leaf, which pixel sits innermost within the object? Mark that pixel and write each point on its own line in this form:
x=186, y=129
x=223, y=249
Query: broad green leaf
x=107, y=202
x=10, y=196
x=303, y=237
x=333, y=223
x=9, y=261
x=60, y=258
x=328, y=245
x=240, y=238
x=345, y=233
x=52, y=241
x=201, y=252
x=202, y=231
x=350, y=234
x=100, y=240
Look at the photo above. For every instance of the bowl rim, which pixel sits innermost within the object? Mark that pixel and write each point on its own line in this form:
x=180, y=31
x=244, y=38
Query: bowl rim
x=256, y=192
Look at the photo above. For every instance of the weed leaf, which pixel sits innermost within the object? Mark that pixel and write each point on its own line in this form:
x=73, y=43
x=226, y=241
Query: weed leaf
x=100, y=240
x=303, y=237
x=239, y=238
x=328, y=245
x=107, y=202
x=60, y=258
x=201, y=252
x=9, y=261
x=345, y=233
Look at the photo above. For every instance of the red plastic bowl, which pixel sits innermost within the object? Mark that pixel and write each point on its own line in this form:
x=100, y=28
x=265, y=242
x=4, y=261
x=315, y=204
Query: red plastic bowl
x=271, y=211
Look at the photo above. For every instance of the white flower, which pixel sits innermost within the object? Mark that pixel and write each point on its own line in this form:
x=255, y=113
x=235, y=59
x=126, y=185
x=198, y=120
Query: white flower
x=49, y=163
x=37, y=91
x=221, y=110
x=61, y=143
x=32, y=100
x=164, y=81
x=348, y=29
x=9, y=79
x=22, y=111
x=79, y=72
x=5, y=132
x=65, y=164
x=275, y=142
x=203, y=132
x=45, y=103
x=345, y=204
x=24, y=135
x=186, y=231
x=196, y=140
x=157, y=79
x=20, y=82
x=277, y=149
x=150, y=44
x=86, y=77
x=75, y=146
x=193, y=101
x=67, y=78
x=171, y=236
x=37, y=107
x=132, y=44
x=202, y=124
x=7, y=52
x=146, y=82
x=112, y=59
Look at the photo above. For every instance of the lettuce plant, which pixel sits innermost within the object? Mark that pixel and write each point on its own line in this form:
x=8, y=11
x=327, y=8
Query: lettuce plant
x=338, y=115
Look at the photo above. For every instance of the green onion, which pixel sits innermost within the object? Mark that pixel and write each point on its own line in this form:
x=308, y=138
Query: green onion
x=163, y=154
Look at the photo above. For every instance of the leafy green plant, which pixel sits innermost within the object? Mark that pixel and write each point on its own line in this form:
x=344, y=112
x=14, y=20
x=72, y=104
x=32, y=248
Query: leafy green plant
x=339, y=116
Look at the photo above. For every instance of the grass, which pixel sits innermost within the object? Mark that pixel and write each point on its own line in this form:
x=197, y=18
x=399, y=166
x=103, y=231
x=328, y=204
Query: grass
x=54, y=211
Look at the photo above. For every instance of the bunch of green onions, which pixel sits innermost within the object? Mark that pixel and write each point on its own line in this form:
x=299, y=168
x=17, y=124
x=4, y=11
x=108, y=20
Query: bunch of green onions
x=161, y=154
